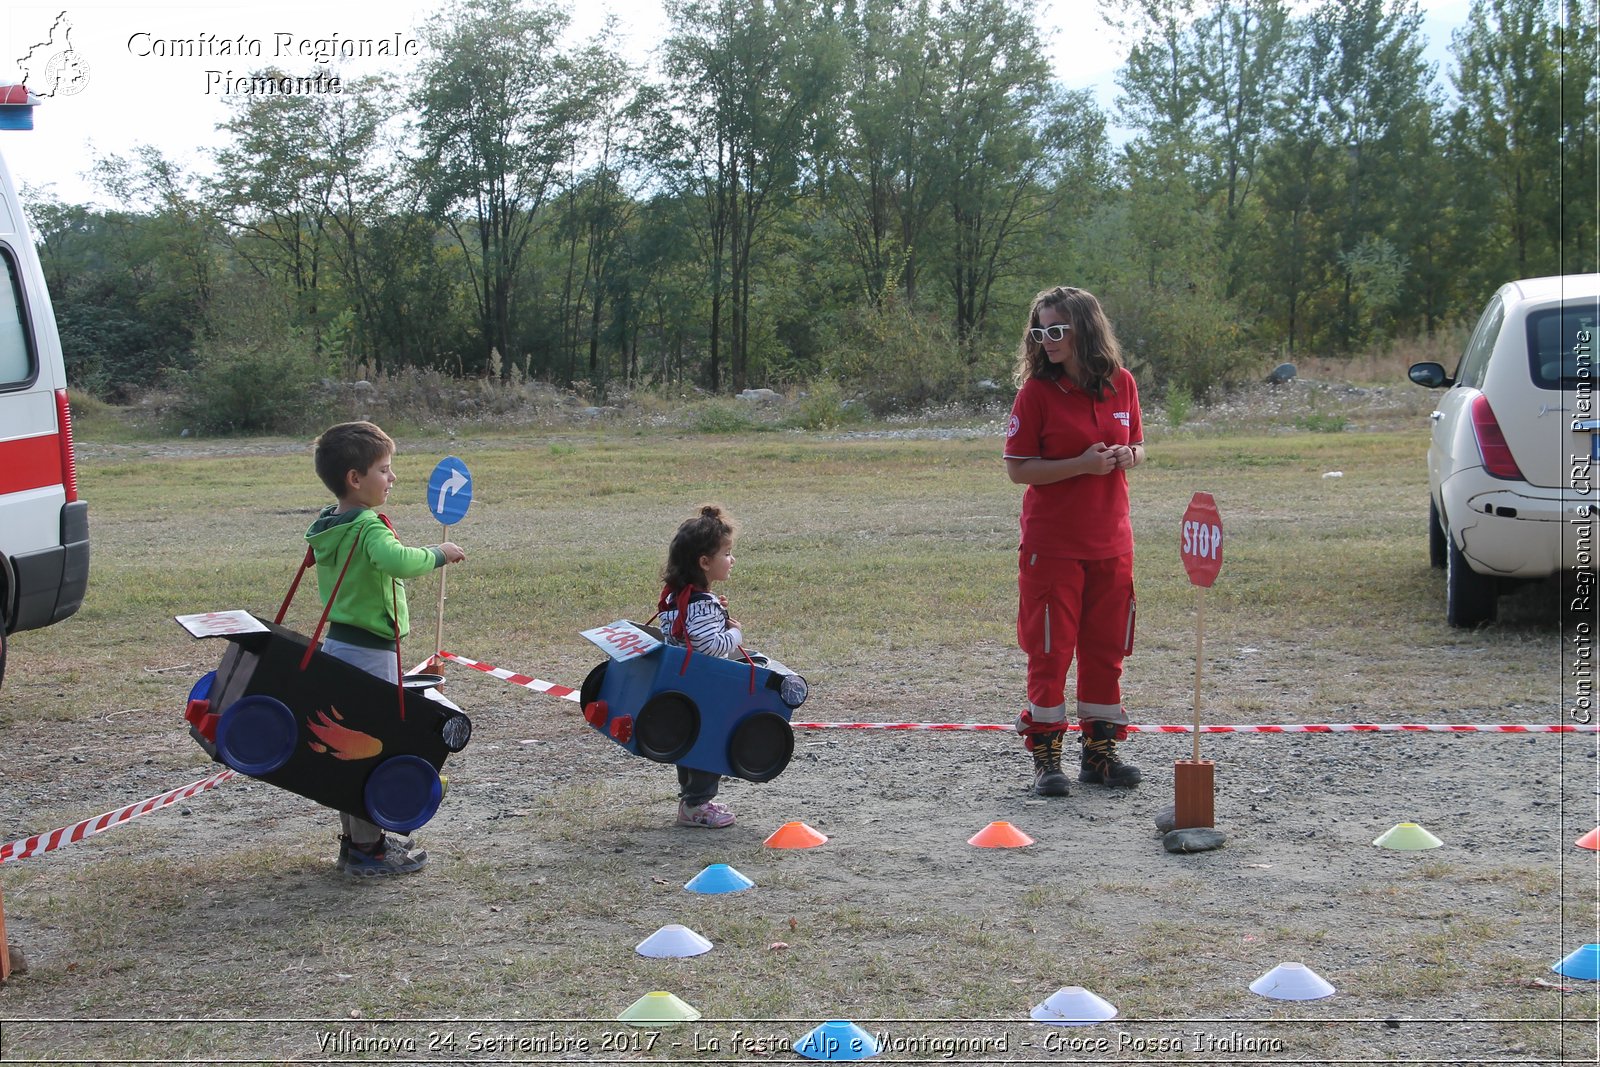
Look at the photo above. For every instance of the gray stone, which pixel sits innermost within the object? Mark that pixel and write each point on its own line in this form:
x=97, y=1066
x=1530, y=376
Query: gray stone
x=1167, y=819
x=765, y=396
x=1283, y=372
x=1194, y=839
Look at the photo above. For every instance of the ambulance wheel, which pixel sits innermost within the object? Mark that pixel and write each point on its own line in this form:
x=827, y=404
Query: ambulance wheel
x=589, y=691
x=761, y=746
x=3, y=639
x=666, y=727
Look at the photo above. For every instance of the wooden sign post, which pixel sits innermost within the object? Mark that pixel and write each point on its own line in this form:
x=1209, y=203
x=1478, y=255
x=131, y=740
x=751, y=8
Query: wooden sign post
x=449, y=496
x=1201, y=550
x=5, y=949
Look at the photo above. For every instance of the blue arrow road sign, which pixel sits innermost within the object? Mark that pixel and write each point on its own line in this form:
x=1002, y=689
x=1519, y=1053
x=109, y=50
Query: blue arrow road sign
x=449, y=491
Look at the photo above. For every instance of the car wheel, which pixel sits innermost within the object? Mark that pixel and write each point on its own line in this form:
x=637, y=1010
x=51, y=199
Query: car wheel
x=666, y=727
x=1469, y=597
x=589, y=692
x=1436, y=537
x=761, y=747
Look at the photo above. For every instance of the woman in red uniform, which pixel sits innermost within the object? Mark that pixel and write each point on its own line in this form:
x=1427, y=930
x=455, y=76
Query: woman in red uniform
x=1075, y=432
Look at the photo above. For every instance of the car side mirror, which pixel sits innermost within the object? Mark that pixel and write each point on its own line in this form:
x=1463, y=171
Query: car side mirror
x=1429, y=375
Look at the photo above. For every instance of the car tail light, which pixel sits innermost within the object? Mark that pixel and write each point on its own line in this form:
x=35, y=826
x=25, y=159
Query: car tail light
x=1491, y=442
x=69, y=462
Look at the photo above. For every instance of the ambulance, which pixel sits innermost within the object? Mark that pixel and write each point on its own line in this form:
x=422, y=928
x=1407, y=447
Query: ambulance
x=44, y=527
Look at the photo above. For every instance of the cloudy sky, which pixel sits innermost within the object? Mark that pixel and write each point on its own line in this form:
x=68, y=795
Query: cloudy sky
x=131, y=88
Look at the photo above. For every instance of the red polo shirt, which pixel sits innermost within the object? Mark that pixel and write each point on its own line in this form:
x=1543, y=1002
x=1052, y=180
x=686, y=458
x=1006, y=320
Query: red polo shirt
x=1086, y=516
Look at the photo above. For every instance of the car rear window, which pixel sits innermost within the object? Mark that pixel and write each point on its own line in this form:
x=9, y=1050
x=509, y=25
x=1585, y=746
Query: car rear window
x=16, y=360
x=1561, y=345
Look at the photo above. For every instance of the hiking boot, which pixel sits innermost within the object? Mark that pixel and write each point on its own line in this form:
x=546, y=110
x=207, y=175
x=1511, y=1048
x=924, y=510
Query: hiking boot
x=1048, y=778
x=1099, y=764
x=382, y=859
x=708, y=816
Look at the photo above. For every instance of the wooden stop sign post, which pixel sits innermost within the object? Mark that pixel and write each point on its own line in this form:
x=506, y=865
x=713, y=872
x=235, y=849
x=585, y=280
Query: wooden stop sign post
x=1200, y=547
x=5, y=949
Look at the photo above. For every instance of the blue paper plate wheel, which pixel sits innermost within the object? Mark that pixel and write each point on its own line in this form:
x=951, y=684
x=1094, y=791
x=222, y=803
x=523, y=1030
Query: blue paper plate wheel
x=256, y=735
x=202, y=688
x=403, y=792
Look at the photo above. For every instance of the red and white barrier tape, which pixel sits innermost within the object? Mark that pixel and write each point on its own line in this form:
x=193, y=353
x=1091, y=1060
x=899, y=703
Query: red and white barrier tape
x=67, y=835
x=567, y=693
x=1262, y=728
x=527, y=682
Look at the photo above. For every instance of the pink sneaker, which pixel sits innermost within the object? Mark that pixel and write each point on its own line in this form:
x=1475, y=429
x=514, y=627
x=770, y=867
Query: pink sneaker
x=710, y=815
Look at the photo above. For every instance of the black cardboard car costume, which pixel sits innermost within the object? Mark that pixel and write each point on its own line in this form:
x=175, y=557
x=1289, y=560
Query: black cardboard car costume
x=279, y=709
x=669, y=705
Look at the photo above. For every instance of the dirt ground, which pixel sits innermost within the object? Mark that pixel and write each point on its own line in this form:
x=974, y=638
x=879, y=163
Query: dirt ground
x=1438, y=956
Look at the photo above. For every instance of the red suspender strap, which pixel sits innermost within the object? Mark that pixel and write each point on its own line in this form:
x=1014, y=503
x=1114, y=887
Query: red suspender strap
x=399, y=664
x=305, y=565
x=680, y=626
x=317, y=637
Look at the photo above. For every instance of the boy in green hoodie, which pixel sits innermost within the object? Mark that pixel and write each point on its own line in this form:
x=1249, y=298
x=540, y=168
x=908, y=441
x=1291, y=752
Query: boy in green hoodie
x=369, y=614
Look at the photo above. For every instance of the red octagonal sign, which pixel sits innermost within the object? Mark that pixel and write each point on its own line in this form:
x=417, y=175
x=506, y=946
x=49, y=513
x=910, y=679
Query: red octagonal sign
x=1201, y=546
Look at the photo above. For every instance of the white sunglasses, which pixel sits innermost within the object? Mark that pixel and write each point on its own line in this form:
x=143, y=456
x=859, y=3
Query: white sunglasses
x=1052, y=333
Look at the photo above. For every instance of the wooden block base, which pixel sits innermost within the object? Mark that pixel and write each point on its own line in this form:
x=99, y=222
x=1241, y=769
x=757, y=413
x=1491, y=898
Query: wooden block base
x=1195, y=800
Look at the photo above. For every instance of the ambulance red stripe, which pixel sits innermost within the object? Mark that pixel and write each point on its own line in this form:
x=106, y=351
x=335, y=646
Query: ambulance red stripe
x=30, y=463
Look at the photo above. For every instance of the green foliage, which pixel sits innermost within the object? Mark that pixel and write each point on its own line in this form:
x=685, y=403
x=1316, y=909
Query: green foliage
x=253, y=372
x=901, y=359
x=824, y=406
x=1321, y=422
x=241, y=386
x=868, y=191
x=1180, y=401
x=722, y=417
x=1180, y=336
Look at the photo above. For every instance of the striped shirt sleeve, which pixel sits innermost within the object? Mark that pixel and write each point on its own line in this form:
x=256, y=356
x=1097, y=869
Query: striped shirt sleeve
x=706, y=622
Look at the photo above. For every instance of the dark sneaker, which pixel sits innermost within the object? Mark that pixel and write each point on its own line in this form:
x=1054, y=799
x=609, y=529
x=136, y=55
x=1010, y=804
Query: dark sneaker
x=1099, y=764
x=381, y=860
x=1048, y=778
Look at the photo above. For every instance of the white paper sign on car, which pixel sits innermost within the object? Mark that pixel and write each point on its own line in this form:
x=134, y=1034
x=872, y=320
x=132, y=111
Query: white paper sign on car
x=622, y=640
x=221, y=623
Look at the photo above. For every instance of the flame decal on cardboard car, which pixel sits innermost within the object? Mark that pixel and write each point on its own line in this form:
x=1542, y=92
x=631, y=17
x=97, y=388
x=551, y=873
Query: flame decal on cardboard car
x=341, y=742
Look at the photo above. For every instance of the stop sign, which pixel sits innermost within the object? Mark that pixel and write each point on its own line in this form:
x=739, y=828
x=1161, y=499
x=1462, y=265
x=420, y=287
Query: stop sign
x=1201, y=545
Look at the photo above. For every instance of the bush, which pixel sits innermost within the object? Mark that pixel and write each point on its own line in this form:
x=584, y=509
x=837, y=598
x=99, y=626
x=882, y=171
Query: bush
x=901, y=360
x=722, y=416
x=1181, y=337
x=823, y=406
x=1180, y=401
x=260, y=386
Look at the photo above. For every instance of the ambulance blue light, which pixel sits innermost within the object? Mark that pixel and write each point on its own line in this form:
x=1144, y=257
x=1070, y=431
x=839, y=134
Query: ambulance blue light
x=16, y=107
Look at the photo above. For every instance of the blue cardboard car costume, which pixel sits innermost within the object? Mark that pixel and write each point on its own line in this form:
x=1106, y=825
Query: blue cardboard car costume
x=665, y=703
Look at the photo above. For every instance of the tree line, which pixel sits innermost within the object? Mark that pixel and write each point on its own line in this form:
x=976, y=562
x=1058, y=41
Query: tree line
x=863, y=190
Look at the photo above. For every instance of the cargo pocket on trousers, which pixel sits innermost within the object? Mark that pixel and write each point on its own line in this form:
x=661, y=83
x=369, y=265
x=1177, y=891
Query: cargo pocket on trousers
x=1033, y=610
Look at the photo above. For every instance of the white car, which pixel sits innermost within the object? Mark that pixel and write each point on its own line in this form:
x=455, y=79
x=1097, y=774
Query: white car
x=1512, y=467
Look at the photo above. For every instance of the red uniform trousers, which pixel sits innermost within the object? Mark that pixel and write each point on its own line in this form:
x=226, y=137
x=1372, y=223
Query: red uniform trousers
x=1082, y=606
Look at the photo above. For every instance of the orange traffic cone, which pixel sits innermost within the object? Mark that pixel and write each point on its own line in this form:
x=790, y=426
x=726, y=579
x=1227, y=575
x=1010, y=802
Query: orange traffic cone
x=1000, y=835
x=795, y=835
x=1590, y=840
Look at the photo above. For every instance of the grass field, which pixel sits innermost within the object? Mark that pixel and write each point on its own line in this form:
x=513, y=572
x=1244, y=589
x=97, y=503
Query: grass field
x=883, y=568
